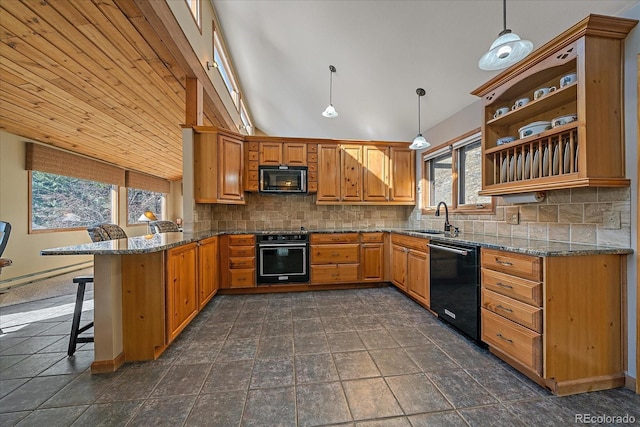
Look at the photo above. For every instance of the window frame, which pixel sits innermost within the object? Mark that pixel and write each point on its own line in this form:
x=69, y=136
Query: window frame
x=195, y=14
x=31, y=230
x=454, y=147
x=161, y=215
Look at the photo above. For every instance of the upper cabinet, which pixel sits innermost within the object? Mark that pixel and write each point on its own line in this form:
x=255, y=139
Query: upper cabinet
x=274, y=153
x=218, y=166
x=562, y=106
x=366, y=174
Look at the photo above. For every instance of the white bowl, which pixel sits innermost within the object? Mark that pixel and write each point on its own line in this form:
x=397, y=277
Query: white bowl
x=563, y=120
x=533, y=128
x=505, y=140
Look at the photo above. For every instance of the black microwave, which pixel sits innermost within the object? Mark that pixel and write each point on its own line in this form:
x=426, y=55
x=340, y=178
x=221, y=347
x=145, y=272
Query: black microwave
x=283, y=179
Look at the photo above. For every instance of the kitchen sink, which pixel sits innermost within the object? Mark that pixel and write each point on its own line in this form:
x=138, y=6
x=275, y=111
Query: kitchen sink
x=427, y=231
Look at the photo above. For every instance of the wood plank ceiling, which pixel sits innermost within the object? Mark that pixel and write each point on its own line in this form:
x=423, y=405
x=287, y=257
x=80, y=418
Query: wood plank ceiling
x=95, y=78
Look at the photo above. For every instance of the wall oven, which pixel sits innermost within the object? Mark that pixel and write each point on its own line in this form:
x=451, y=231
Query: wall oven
x=455, y=285
x=283, y=258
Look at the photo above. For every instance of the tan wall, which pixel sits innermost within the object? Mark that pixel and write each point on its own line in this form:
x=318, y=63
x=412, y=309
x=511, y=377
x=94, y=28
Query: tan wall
x=24, y=248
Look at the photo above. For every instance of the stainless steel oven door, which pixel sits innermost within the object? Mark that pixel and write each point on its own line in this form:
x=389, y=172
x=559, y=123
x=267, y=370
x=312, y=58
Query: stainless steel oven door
x=283, y=263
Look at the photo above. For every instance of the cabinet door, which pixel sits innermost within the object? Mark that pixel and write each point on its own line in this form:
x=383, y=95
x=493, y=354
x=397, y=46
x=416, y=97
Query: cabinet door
x=294, y=154
x=205, y=161
x=403, y=175
x=376, y=173
x=418, y=276
x=328, y=173
x=182, y=298
x=207, y=270
x=372, y=262
x=230, y=169
x=399, y=266
x=351, y=169
x=271, y=153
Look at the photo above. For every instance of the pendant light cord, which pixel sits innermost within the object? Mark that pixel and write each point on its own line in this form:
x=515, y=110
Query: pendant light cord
x=504, y=15
x=419, y=115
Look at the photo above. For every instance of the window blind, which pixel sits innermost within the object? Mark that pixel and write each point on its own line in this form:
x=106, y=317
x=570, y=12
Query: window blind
x=142, y=181
x=43, y=158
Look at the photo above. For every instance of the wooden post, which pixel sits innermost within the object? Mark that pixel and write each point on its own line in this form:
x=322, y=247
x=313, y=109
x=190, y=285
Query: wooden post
x=194, y=101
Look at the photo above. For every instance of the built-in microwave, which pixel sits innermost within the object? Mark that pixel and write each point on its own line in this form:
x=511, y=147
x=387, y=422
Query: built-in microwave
x=283, y=179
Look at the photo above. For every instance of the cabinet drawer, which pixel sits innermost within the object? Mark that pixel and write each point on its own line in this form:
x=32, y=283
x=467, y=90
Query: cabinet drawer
x=523, y=290
x=521, y=313
x=253, y=165
x=313, y=176
x=254, y=146
x=525, y=266
x=516, y=341
x=312, y=158
x=241, y=251
x=241, y=240
x=253, y=156
x=312, y=148
x=242, y=278
x=312, y=187
x=312, y=167
x=335, y=238
x=410, y=242
x=372, y=237
x=253, y=176
x=235, y=263
x=346, y=253
x=338, y=273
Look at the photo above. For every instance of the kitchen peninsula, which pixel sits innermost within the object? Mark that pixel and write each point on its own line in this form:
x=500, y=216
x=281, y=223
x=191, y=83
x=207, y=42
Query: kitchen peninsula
x=148, y=288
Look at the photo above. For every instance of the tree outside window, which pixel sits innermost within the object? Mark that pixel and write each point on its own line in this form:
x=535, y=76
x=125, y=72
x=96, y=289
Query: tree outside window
x=140, y=201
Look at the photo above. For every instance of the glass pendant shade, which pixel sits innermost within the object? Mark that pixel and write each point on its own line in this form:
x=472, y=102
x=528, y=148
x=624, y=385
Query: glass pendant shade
x=330, y=112
x=505, y=51
x=419, y=143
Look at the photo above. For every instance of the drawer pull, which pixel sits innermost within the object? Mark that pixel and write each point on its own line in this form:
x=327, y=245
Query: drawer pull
x=502, y=337
x=505, y=309
x=502, y=285
x=506, y=263
x=334, y=254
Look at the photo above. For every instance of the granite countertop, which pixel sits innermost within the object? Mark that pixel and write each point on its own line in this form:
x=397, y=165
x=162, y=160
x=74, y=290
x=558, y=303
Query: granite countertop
x=164, y=241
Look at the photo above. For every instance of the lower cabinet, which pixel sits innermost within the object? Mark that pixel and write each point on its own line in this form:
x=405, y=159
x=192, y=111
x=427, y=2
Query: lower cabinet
x=555, y=319
x=372, y=257
x=410, y=266
x=182, y=288
x=208, y=277
x=335, y=258
x=238, y=261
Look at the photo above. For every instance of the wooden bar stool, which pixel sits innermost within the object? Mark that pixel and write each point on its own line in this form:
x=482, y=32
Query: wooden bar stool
x=75, y=325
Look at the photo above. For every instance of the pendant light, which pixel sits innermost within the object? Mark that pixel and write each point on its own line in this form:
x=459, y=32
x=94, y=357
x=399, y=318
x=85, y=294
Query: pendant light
x=506, y=50
x=419, y=142
x=330, y=112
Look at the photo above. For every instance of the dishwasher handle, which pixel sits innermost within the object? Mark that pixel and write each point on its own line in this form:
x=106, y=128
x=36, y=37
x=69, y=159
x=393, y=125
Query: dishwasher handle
x=448, y=249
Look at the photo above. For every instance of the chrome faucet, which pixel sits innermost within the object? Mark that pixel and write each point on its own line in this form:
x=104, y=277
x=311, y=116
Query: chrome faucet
x=447, y=226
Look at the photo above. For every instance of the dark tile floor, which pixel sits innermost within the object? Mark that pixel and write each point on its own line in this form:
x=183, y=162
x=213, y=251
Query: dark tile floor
x=368, y=357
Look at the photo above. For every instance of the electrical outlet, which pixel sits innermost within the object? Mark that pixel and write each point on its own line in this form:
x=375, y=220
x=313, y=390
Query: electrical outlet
x=512, y=215
x=611, y=220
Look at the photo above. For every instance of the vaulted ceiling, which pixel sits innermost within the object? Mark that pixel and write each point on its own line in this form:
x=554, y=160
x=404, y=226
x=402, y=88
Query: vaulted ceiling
x=99, y=78
x=106, y=78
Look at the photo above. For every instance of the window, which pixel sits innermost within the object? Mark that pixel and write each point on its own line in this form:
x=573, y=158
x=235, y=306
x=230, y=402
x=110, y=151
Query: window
x=62, y=203
x=140, y=201
x=194, y=8
x=246, y=123
x=453, y=174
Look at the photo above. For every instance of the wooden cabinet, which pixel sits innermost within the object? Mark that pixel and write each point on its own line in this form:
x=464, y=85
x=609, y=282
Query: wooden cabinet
x=375, y=183
x=275, y=153
x=556, y=319
x=403, y=175
x=351, y=173
x=335, y=258
x=218, y=166
x=208, y=277
x=328, y=173
x=238, y=261
x=586, y=152
x=410, y=266
x=372, y=257
x=182, y=288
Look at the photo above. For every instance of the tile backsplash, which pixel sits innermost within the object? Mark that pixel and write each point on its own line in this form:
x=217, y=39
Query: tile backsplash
x=581, y=215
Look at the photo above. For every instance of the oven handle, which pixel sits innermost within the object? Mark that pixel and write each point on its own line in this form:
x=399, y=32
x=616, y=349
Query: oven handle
x=448, y=249
x=280, y=245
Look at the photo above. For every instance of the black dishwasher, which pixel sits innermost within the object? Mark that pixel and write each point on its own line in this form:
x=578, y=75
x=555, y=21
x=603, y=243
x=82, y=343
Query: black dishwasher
x=455, y=285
